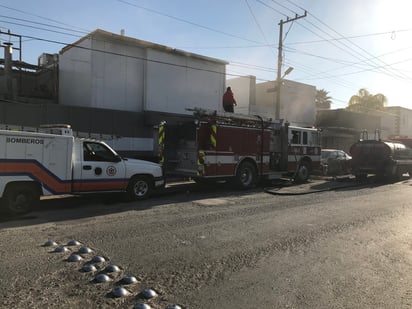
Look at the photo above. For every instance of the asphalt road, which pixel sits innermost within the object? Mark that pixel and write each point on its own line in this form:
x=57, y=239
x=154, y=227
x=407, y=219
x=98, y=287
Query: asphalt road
x=218, y=248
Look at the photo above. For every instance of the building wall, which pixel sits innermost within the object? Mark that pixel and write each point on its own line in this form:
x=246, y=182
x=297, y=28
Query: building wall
x=388, y=120
x=114, y=72
x=75, y=76
x=403, y=120
x=244, y=92
x=188, y=83
x=297, y=102
x=117, y=80
x=342, y=128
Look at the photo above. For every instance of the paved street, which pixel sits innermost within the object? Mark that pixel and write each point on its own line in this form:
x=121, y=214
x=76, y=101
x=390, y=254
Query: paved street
x=218, y=248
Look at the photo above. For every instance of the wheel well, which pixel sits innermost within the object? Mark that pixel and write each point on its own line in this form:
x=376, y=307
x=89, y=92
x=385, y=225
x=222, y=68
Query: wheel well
x=33, y=184
x=249, y=160
x=144, y=175
x=307, y=161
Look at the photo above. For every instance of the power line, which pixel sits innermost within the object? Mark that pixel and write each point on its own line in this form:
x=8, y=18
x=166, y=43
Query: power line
x=349, y=50
x=42, y=17
x=188, y=22
x=39, y=28
x=258, y=25
x=349, y=37
x=43, y=24
x=130, y=56
x=362, y=49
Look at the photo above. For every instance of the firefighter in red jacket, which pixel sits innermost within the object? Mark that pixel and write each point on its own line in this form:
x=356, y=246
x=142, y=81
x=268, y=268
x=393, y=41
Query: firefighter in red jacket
x=228, y=100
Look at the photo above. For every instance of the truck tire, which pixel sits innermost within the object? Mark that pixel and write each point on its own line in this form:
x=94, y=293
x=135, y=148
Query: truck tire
x=20, y=198
x=361, y=176
x=302, y=174
x=396, y=173
x=139, y=188
x=246, y=175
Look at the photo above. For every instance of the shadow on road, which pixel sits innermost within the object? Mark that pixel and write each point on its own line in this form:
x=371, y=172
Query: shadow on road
x=343, y=183
x=62, y=208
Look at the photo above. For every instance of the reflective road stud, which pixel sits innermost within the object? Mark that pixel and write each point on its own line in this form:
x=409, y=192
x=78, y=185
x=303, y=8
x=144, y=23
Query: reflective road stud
x=85, y=250
x=100, y=278
x=98, y=259
x=73, y=243
x=112, y=269
x=61, y=249
x=120, y=291
x=149, y=293
x=117, y=291
x=50, y=243
x=129, y=280
x=142, y=306
x=88, y=268
x=74, y=258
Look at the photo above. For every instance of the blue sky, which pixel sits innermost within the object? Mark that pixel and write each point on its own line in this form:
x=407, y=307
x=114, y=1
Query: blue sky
x=340, y=46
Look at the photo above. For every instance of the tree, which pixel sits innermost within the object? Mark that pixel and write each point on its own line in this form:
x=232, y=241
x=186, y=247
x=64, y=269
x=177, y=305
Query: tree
x=366, y=102
x=323, y=100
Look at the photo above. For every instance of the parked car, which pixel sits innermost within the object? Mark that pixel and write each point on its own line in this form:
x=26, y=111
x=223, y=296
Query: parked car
x=335, y=162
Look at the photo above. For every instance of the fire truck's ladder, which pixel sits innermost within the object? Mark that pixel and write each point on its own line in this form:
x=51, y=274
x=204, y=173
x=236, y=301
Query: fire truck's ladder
x=365, y=136
x=232, y=119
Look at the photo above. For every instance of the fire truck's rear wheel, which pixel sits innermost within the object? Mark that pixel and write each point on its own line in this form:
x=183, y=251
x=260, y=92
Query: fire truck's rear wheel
x=302, y=174
x=20, y=198
x=139, y=188
x=246, y=175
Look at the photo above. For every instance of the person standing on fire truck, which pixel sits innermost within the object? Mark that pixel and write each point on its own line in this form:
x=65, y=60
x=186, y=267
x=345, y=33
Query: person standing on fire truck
x=228, y=100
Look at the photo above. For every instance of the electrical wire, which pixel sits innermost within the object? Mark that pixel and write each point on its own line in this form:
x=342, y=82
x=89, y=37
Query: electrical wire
x=188, y=22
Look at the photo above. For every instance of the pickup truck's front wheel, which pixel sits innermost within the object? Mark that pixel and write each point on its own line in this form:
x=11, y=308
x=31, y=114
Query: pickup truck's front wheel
x=20, y=198
x=139, y=188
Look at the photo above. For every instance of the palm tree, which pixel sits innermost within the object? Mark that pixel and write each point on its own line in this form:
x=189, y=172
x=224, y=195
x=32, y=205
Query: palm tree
x=366, y=102
x=322, y=99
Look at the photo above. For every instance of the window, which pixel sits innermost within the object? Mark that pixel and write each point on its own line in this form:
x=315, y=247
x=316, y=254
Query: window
x=305, y=138
x=295, y=137
x=97, y=152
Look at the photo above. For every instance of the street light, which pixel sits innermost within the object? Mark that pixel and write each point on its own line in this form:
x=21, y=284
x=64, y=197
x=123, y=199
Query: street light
x=279, y=84
x=290, y=69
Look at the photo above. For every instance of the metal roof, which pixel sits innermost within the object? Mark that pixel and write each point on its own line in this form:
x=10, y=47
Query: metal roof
x=125, y=40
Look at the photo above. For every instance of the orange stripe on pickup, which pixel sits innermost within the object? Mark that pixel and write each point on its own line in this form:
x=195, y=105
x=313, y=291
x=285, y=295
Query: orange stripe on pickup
x=38, y=172
x=52, y=183
x=90, y=186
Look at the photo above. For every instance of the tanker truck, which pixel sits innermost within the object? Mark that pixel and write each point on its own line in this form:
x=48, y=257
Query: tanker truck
x=385, y=159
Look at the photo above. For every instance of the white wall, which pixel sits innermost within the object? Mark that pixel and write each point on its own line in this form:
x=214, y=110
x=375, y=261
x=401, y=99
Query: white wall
x=189, y=83
x=121, y=78
x=91, y=78
x=117, y=80
x=297, y=102
x=75, y=76
x=244, y=92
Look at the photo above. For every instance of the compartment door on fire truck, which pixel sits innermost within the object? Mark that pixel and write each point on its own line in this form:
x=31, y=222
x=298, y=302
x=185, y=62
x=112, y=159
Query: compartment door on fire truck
x=101, y=169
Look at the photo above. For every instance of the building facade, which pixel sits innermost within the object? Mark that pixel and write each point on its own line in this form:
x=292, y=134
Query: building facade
x=110, y=71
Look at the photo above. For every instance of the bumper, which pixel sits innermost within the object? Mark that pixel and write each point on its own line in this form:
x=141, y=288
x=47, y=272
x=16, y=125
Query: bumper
x=159, y=182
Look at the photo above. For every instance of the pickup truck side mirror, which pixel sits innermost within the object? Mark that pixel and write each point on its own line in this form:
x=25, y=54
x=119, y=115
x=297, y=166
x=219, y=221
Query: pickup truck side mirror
x=117, y=158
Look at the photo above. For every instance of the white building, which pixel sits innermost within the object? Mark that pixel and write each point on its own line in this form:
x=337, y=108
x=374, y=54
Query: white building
x=111, y=71
x=297, y=100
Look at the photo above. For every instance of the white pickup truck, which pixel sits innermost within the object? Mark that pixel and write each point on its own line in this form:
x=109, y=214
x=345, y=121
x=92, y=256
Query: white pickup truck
x=53, y=161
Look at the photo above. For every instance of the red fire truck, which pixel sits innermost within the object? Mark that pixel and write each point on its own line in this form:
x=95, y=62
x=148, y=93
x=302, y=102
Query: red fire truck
x=225, y=146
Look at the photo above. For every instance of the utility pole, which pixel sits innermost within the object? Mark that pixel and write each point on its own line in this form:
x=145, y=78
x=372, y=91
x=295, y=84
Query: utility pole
x=279, y=74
